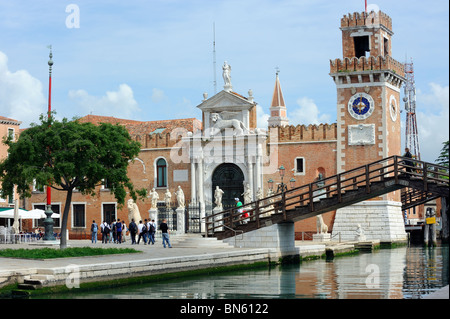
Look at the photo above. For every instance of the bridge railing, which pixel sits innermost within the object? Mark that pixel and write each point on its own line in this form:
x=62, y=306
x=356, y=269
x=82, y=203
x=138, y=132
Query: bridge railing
x=334, y=186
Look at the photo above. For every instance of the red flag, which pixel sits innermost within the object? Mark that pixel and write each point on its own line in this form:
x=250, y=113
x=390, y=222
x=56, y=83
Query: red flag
x=366, y=5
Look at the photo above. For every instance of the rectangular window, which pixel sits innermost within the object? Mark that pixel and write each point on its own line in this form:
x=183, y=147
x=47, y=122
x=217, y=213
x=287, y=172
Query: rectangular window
x=56, y=208
x=109, y=212
x=79, y=215
x=299, y=166
x=38, y=188
x=11, y=199
x=361, y=46
x=161, y=173
x=11, y=133
x=386, y=47
x=105, y=184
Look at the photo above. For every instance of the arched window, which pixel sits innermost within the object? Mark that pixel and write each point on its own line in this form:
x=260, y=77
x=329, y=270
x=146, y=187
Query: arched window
x=161, y=173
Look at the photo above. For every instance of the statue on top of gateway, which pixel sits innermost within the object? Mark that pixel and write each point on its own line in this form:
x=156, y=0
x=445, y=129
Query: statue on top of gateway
x=227, y=76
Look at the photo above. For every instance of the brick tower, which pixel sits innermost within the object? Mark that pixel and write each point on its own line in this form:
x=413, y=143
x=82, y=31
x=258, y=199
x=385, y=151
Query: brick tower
x=368, y=82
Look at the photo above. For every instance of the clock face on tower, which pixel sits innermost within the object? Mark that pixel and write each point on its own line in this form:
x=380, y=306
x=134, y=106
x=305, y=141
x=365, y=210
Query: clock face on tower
x=393, y=108
x=360, y=106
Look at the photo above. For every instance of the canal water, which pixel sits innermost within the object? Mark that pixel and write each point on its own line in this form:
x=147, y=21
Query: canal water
x=399, y=273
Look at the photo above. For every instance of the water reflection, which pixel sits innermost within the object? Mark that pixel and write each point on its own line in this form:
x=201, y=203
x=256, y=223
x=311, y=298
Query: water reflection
x=401, y=273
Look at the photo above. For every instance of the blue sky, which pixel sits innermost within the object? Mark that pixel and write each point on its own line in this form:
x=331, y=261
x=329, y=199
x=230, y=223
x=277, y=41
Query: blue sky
x=153, y=59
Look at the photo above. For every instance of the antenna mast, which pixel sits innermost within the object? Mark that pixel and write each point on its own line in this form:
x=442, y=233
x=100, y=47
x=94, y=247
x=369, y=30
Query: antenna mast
x=412, y=134
x=214, y=57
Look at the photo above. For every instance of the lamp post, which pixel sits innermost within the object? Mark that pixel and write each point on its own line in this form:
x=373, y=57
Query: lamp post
x=282, y=187
x=48, y=221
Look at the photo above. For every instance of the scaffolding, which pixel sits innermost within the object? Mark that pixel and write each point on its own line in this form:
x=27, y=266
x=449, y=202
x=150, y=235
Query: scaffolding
x=412, y=134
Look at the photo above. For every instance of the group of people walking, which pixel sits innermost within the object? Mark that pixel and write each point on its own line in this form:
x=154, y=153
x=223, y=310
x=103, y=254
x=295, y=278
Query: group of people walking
x=117, y=230
x=110, y=232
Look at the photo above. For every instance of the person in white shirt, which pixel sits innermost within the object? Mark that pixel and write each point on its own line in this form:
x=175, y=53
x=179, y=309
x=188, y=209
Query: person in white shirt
x=142, y=231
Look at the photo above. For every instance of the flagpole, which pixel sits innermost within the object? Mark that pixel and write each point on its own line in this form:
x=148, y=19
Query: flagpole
x=50, y=64
x=48, y=221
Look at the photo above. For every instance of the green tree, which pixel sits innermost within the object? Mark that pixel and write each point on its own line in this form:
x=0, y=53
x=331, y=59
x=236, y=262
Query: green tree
x=70, y=155
x=443, y=158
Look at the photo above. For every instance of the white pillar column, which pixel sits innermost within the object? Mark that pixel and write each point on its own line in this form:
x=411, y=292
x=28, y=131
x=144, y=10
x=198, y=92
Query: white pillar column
x=201, y=201
x=193, y=184
x=258, y=171
x=250, y=175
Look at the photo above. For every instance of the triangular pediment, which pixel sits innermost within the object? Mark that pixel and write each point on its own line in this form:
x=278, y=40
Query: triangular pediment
x=226, y=101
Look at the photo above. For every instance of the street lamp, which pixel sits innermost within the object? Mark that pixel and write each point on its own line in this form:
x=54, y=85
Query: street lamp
x=270, y=182
x=48, y=221
x=282, y=187
x=292, y=181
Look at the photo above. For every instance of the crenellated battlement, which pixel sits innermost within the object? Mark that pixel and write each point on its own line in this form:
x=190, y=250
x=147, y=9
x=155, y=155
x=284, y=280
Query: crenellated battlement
x=366, y=19
x=367, y=64
x=306, y=133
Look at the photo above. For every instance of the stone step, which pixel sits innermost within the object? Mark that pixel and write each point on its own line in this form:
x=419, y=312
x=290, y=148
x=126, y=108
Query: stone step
x=39, y=277
x=189, y=240
x=35, y=281
x=30, y=285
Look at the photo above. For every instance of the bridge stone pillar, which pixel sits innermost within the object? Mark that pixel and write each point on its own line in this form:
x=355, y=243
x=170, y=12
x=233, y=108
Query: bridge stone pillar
x=278, y=236
x=380, y=220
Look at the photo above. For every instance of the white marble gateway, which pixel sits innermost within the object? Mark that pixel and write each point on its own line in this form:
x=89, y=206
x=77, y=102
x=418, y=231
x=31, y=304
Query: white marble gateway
x=227, y=137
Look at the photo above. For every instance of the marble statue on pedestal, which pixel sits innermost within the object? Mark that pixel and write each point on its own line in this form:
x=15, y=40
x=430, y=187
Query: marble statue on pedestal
x=154, y=197
x=180, y=197
x=227, y=76
x=269, y=201
x=133, y=211
x=322, y=228
x=247, y=194
x=218, y=193
x=167, y=198
x=360, y=234
x=259, y=194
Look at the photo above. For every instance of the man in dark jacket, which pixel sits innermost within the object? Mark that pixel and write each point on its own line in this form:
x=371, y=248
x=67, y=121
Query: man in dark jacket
x=408, y=163
x=133, y=230
x=165, y=233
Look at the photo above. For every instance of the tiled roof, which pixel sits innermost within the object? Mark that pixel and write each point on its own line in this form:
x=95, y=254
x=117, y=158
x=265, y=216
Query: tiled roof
x=5, y=120
x=136, y=128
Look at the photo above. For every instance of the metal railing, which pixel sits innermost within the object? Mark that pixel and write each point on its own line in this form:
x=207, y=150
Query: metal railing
x=235, y=231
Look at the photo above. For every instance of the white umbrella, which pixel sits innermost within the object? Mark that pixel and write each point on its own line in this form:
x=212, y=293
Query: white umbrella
x=26, y=214
x=16, y=225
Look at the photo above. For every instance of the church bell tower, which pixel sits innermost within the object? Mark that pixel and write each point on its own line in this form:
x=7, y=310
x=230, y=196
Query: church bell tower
x=278, y=114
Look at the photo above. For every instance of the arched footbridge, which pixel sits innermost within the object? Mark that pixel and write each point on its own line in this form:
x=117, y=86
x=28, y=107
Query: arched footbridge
x=422, y=182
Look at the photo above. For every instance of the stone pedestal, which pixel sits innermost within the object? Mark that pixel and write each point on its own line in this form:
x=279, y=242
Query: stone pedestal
x=322, y=237
x=180, y=220
x=218, y=217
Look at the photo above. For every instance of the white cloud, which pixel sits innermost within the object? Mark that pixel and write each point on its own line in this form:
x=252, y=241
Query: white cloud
x=307, y=113
x=158, y=95
x=262, y=118
x=21, y=95
x=432, y=115
x=120, y=103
